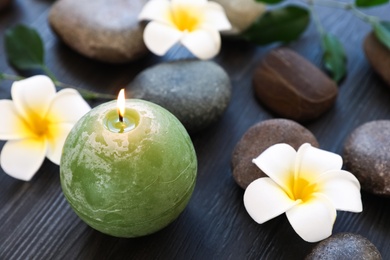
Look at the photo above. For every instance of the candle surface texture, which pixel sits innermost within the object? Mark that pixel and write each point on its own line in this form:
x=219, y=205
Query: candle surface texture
x=128, y=178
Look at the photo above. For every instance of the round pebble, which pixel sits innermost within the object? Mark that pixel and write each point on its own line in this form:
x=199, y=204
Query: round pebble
x=241, y=13
x=345, y=246
x=100, y=29
x=196, y=92
x=258, y=138
x=367, y=156
x=378, y=55
x=292, y=87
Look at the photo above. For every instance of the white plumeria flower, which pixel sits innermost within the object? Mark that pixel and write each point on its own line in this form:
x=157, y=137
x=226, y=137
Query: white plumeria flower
x=308, y=185
x=36, y=123
x=193, y=23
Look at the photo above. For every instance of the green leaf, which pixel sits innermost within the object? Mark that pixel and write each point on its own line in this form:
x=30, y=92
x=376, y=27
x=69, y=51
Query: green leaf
x=271, y=2
x=24, y=48
x=382, y=32
x=334, y=57
x=369, y=3
x=279, y=25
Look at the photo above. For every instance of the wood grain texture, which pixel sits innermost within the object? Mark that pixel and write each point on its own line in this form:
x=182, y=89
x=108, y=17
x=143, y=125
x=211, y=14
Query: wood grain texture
x=37, y=223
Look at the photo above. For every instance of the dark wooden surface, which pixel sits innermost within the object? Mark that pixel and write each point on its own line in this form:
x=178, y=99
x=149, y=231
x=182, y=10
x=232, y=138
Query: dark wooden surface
x=37, y=223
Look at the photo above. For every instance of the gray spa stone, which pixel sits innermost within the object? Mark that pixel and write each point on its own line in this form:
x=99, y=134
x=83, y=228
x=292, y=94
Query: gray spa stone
x=196, y=92
x=100, y=29
x=346, y=246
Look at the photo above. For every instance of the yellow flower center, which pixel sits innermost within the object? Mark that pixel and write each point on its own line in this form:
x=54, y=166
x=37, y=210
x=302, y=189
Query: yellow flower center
x=37, y=125
x=185, y=17
x=301, y=189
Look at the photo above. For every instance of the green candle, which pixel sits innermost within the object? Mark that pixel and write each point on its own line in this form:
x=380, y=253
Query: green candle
x=128, y=175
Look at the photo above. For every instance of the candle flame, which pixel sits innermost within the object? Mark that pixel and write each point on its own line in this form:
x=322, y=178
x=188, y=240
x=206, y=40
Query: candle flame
x=121, y=104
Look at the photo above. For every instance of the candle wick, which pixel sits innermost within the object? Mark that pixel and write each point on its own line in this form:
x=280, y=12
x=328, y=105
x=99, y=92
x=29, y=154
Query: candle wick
x=120, y=116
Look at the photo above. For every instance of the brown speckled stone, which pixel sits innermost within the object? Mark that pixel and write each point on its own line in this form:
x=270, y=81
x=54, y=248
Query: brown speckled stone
x=378, y=56
x=292, y=87
x=345, y=246
x=367, y=156
x=258, y=138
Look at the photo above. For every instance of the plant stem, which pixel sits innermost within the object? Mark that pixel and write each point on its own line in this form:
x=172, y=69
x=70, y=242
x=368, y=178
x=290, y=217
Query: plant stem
x=316, y=19
x=331, y=3
x=86, y=94
x=345, y=6
x=49, y=73
x=366, y=18
x=10, y=77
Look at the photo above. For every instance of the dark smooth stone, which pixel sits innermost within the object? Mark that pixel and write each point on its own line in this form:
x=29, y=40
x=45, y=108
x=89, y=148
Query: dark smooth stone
x=367, y=156
x=100, y=29
x=378, y=55
x=345, y=246
x=196, y=92
x=258, y=138
x=292, y=87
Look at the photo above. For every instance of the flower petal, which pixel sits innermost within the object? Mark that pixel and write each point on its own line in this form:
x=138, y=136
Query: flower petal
x=56, y=142
x=215, y=17
x=204, y=43
x=32, y=96
x=159, y=38
x=314, y=219
x=311, y=162
x=21, y=159
x=67, y=107
x=194, y=2
x=264, y=200
x=277, y=161
x=156, y=10
x=342, y=188
x=11, y=125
